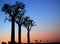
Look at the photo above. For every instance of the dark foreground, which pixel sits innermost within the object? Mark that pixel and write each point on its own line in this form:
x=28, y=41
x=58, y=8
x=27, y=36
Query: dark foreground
x=32, y=43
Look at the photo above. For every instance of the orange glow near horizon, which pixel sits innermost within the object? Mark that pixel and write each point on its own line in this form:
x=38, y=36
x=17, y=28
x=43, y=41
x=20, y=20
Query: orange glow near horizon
x=51, y=37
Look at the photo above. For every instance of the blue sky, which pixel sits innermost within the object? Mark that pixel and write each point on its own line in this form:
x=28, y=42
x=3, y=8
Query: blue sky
x=45, y=13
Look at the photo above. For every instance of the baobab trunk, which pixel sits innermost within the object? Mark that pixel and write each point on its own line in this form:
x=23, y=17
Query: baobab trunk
x=13, y=31
x=28, y=35
x=19, y=34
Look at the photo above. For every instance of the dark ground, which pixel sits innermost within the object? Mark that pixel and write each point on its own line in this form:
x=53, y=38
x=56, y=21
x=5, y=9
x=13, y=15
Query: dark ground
x=35, y=43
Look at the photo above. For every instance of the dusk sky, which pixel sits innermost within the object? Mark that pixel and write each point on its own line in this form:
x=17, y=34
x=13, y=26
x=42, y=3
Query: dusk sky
x=46, y=15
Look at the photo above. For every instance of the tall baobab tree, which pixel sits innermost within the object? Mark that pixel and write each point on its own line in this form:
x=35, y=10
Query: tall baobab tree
x=28, y=24
x=12, y=11
x=19, y=21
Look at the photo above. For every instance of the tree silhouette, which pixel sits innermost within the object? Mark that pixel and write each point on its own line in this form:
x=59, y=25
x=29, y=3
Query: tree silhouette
x=28, y=24
x=12, y=11
x=40, y=41
x=36, y=41
x=47, y=41
x=19, y=21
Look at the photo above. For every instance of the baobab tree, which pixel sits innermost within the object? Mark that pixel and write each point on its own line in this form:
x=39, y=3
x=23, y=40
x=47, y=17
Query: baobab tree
x=12, y=11
x=28, y=25
x=19, y=21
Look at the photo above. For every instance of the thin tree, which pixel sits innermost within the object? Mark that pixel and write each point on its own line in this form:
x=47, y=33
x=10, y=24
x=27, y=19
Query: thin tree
x=12, y=11
x=28, y=24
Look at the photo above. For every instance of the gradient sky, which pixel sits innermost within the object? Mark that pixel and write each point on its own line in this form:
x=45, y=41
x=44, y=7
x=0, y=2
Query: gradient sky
x=45, y=13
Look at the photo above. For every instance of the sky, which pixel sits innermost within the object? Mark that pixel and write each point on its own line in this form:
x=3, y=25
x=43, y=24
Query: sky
x=46, y=15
